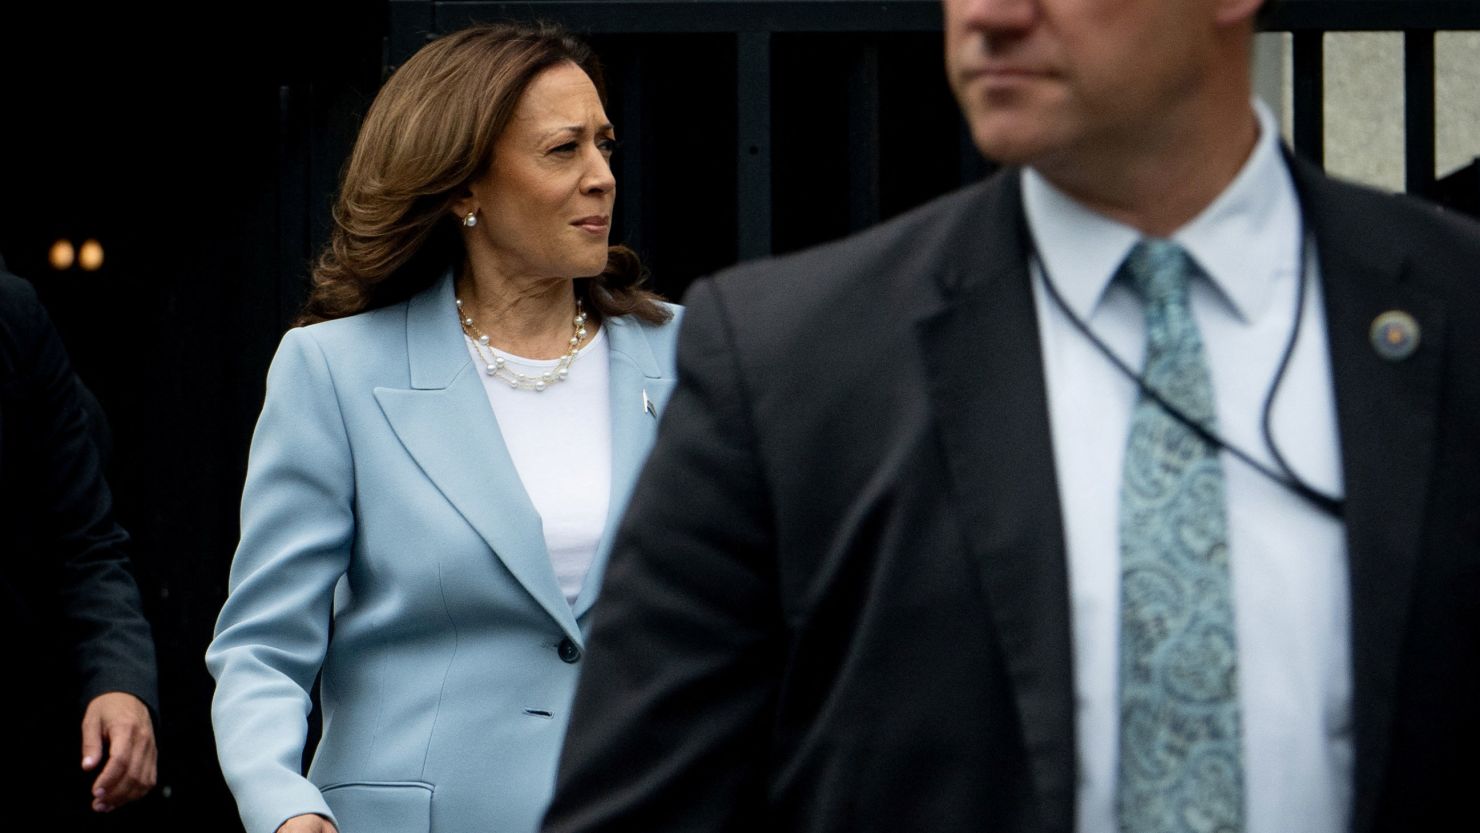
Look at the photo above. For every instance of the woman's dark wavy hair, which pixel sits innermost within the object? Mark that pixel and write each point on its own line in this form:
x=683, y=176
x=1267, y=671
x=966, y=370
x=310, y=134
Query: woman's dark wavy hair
x=431, y=131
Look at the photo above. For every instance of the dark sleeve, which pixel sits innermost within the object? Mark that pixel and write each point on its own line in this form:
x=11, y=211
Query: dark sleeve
x=63, y=509
x=671, y=719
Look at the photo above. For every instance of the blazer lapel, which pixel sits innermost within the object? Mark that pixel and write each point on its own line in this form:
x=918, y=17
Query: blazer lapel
x=447, y=426
x=1386, y=413
x=638, y=392
x=985, y=377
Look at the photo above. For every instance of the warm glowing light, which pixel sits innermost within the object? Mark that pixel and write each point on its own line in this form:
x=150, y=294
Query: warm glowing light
x=90, y=256
x=61, y=255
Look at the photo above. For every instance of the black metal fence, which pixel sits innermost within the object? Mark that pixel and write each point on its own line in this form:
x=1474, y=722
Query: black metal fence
x=774, y=81
x=1308, y=21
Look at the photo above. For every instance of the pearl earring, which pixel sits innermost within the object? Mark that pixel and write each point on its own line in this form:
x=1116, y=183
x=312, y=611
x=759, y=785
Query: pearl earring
x=471, y=220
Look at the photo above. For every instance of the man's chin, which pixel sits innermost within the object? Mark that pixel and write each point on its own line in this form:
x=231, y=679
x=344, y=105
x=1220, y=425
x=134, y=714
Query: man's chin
x=1009, y=147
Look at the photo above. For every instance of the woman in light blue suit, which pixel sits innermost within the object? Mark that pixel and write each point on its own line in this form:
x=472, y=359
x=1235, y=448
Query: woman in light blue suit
x=443, y=454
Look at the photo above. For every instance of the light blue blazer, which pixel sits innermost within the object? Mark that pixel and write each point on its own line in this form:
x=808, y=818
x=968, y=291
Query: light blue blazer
x=380, y=497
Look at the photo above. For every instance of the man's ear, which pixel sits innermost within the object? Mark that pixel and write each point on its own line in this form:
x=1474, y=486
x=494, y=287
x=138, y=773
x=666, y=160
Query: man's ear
x=1236, y=12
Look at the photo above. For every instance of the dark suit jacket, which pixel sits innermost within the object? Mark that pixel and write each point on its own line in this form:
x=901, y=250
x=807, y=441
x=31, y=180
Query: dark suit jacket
x=69, y=608
x=840, y=599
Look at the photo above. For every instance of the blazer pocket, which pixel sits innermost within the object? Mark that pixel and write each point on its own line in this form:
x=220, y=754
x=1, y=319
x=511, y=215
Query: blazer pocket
x=376, y=806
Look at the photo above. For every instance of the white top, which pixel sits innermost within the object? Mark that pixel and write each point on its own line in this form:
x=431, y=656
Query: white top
x=561, y=442
x=1289, y=567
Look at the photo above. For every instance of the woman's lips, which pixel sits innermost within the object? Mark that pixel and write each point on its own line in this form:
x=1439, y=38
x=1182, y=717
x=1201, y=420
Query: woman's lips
x=595, y=224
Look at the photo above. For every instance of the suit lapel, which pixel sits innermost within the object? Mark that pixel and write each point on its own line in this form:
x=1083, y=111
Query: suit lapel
x=638, y=392
x=447, y=426
x=1386, y=413
x=985, y=378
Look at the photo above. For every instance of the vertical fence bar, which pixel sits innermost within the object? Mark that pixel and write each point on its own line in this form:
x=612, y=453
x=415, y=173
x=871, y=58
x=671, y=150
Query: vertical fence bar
x=1418, y=109
x=629, y=161
x=1309, y=58
x=973, y=165
x=292, y=203
x=863, y=137
x=753, y=143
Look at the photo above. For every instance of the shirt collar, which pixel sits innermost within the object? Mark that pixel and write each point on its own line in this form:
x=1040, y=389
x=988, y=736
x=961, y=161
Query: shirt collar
x=1245, y=240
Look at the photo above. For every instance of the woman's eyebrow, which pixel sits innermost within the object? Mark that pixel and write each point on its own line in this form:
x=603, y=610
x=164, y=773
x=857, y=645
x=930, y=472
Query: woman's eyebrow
x=577, y=129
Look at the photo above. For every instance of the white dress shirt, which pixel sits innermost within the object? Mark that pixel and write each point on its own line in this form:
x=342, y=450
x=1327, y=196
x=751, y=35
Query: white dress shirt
x=1288, y=559
x=561, y=442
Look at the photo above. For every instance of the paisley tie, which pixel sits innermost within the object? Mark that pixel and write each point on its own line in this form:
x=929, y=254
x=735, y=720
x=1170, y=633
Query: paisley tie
x=1180, y=765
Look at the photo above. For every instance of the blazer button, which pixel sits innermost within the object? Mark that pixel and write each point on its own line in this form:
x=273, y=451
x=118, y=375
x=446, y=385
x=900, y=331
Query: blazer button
x=568, y=651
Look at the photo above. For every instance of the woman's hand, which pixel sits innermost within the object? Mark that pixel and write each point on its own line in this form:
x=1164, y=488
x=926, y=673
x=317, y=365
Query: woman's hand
x=307, y=823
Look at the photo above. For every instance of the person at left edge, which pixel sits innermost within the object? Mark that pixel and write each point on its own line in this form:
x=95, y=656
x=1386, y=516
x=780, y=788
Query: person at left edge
x=441, y=456
x=80, y=651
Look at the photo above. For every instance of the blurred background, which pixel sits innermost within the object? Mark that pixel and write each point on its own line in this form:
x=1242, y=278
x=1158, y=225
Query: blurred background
x=166, y=174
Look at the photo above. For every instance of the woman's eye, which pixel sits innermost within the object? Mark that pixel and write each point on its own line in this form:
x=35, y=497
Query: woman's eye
x=608, y=146
x=568, y=147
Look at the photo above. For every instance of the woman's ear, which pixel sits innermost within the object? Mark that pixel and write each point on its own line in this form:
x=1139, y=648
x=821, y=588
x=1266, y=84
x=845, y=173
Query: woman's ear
x=464, y=204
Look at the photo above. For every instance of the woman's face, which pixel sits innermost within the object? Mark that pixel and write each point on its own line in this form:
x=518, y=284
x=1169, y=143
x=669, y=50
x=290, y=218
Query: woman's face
x=545, y=204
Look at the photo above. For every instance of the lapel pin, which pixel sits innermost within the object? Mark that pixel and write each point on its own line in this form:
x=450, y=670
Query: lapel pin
x=1394, y=335
x=647, y=405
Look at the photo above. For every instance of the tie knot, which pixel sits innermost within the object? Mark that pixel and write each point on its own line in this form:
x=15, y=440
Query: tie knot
x=1159, y=271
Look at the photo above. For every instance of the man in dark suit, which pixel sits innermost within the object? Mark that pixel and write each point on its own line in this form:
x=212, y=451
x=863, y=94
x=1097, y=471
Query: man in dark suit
x=79, y=650
x=1135, y=488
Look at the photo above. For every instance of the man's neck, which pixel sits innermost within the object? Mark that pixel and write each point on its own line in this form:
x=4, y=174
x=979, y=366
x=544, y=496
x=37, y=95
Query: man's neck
x=1160, y=184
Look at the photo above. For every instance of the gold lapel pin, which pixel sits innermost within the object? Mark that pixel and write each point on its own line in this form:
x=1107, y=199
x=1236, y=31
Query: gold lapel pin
x=1395, y=335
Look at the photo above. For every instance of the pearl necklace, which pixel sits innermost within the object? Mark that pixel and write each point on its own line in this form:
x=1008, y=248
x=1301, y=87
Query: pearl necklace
x=495, y=365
